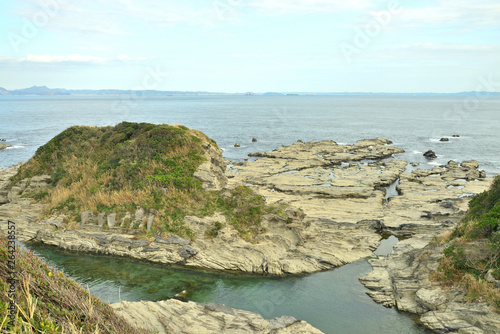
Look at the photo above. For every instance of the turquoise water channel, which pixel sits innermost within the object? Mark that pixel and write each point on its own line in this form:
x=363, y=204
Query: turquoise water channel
x=333, y=301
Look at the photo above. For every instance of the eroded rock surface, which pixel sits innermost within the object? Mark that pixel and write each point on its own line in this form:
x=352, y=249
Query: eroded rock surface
x=174, y=316
x=337, y=203
x=402, y=280
x=430, y=202
x=212, y=172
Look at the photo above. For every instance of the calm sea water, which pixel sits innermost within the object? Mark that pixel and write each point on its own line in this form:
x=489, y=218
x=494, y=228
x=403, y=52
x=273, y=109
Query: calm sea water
x=333, y=301
x=413, y=123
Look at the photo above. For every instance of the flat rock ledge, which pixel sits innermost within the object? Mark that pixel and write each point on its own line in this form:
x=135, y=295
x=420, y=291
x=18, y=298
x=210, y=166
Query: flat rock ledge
x=174, y=316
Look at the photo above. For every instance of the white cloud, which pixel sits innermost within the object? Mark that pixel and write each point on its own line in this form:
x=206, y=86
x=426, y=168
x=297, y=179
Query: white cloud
x=4, y=59
x=125, y=58
x=466, y=13
x=442, y=54
x=449, y=47
x=318, y=6
x=72, y=58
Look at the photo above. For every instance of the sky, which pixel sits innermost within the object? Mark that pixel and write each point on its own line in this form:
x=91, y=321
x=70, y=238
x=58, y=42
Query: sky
x=252, y=45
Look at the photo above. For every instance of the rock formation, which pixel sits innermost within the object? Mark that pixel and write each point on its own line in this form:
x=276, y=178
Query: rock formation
x=174, y=316
x=335, y=199
x=402, y=280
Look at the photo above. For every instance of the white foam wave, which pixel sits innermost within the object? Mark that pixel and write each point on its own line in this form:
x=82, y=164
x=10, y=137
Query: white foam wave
x=14, y=147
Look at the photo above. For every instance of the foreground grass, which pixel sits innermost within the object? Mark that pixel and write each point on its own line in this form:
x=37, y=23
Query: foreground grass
x=49, y=302
x=474, y=249
x=118, y=169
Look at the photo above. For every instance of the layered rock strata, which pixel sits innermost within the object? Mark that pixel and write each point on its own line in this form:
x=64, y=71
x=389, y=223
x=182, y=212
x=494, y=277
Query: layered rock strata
x=431, y=202
x=402, y=280
x=337, y=198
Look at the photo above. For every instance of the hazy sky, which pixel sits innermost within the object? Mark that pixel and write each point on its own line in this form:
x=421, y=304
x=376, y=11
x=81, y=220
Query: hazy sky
x=252, y=45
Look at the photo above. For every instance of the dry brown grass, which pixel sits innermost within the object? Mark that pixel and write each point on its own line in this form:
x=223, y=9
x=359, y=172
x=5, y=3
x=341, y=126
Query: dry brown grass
x=475, y=288
x=49, y=302
x=442, y=238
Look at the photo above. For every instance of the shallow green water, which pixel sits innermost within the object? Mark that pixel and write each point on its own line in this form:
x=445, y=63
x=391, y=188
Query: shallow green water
x=333, y=301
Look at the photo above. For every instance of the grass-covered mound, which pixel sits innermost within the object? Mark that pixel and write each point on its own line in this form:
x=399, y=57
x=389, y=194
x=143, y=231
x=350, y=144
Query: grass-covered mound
x=49, y=302
x=118, y=169
x=474, y=249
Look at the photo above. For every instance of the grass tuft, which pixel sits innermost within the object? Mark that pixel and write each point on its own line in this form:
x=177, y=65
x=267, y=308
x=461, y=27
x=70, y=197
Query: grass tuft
x=473, y=249
x=49, y=302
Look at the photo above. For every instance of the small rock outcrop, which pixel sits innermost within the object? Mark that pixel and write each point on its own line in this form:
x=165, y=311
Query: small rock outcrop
x=4, y=146
x=174, y=316
x=212, y=172
x=430, y=155
x=444, y=139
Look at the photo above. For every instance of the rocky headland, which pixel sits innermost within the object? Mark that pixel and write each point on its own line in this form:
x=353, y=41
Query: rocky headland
x=320, y=205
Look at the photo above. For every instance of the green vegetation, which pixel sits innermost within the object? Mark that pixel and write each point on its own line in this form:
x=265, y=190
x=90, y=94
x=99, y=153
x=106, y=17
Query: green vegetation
x=118, y=169
x=49, y=302
x=474, y=248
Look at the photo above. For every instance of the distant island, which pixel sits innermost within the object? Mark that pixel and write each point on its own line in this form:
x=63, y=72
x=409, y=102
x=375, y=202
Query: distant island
x=44, y=90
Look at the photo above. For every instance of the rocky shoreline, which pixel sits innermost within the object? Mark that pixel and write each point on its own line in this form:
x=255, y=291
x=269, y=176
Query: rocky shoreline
x=340, y=199
x=337, y=207
x=402, y=280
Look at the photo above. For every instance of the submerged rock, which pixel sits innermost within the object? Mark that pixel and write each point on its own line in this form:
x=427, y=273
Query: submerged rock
x=174, y=316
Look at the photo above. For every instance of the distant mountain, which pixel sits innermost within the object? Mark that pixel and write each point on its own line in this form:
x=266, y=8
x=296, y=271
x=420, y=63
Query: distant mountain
x=44, y=90
x=39, y=90
x=138, y=93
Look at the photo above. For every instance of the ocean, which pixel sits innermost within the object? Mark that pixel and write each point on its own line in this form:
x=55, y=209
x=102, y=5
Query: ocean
x=415, y=124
